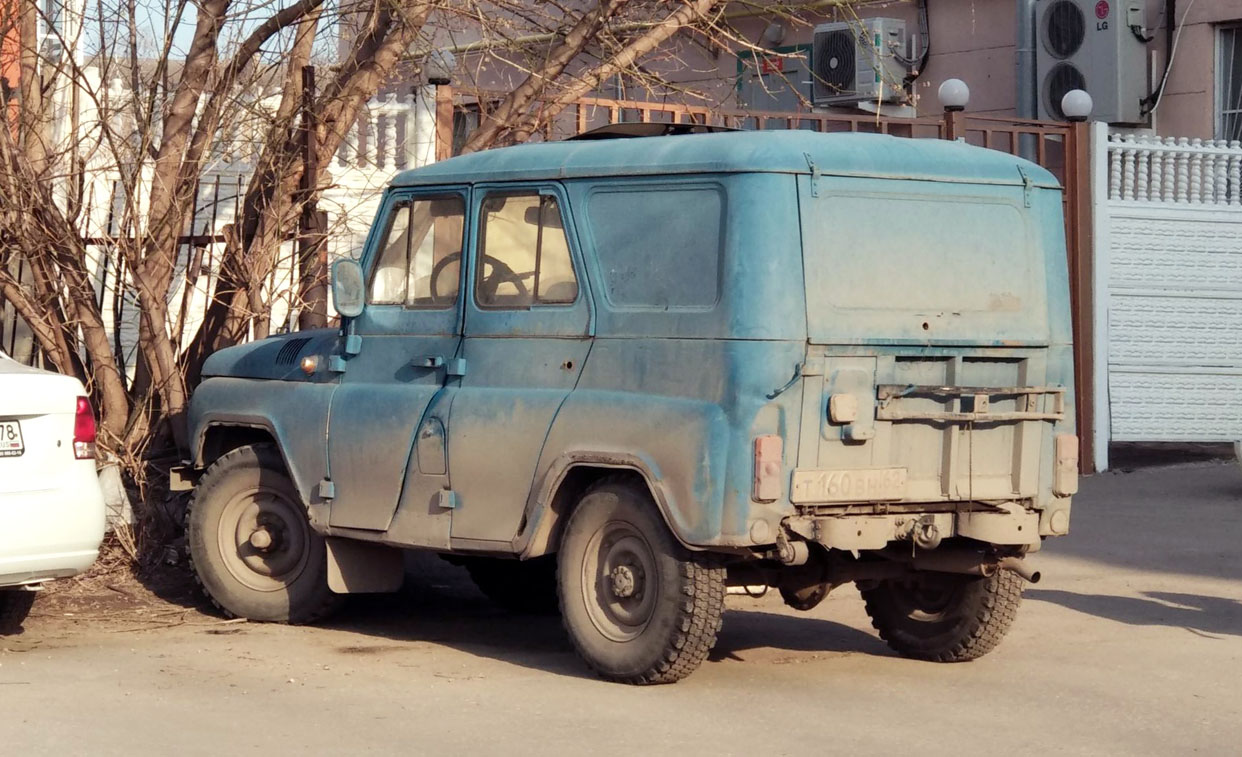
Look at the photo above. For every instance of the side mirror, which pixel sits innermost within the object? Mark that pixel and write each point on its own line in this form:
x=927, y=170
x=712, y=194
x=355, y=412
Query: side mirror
x=347, y=288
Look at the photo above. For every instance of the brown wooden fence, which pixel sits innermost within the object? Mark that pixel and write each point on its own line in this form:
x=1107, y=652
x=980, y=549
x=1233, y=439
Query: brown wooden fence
x=1059, y=147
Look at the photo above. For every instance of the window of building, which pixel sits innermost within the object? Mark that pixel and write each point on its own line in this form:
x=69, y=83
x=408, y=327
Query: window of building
x=523, y=253
x=1229, y=83
x=419, y=261
x=659, y=248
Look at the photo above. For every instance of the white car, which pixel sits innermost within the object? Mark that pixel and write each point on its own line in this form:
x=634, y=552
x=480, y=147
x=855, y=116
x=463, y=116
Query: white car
x=51, y=506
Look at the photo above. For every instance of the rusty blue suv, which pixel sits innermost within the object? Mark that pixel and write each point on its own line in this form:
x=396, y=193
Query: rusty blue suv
x=624, y=375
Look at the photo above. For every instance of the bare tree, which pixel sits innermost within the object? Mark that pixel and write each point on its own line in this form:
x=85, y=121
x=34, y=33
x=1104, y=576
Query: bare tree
x=154, y=96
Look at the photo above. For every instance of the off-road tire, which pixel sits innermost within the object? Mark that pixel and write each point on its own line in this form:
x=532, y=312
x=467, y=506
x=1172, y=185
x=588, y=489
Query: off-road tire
x=683, y=613
x=14, y=607
x=968, y=625
x=526, y=587
x=298, y=596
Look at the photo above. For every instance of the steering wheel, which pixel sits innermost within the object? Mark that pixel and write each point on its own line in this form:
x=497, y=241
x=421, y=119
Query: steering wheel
x=501, y=273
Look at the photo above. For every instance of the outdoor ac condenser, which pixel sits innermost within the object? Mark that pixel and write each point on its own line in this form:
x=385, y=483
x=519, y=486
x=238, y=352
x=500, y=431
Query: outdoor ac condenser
x=852, y=62
x=1096, y=45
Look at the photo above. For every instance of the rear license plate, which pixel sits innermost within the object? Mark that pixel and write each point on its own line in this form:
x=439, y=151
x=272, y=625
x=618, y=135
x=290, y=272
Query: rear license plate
x=863, y=485
x=11, y=444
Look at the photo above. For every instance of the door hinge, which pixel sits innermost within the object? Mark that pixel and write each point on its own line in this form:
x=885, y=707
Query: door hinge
x=815, y=173
x=327, y=489
x=446, y=499
x=1027, y=186
x=455, y=367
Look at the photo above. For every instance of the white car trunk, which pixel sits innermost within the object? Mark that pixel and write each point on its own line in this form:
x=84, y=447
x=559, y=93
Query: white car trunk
x=40, y=408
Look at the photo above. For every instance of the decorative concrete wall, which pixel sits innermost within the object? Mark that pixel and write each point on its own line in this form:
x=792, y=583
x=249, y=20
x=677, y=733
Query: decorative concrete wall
x=1168, y=255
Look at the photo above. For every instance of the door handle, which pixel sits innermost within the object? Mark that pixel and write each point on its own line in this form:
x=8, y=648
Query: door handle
x=427, y=361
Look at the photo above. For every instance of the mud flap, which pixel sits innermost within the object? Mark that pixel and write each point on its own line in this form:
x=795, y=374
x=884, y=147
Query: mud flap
x=358, y=567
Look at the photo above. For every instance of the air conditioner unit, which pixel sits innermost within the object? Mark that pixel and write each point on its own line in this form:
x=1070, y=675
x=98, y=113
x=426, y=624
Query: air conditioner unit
x=852, y=62
x=1096, y=45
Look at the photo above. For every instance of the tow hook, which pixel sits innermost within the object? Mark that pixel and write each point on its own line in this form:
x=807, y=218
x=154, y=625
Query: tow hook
x=1019, y=566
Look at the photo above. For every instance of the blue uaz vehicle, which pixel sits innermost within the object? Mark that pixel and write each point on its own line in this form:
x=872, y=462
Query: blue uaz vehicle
x=627, y=374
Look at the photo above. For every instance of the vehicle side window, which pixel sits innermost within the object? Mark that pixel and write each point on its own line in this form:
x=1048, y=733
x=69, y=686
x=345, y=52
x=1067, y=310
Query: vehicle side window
x=419, y=261
x=523, y=253
x=659, y=248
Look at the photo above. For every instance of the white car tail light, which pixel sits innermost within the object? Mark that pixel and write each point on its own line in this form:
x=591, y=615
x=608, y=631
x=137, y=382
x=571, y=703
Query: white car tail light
x=768, y=451
x=84, y=431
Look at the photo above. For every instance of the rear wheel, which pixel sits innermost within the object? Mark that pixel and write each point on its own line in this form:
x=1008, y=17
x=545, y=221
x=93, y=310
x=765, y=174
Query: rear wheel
x=638, y=606
x=251, y=546
x=14, y=607
x=944, y=617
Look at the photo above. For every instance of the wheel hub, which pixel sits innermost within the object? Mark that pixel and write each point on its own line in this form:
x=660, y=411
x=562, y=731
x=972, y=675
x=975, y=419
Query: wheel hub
x=624, y=582
x=621, y=570
x=264, y=539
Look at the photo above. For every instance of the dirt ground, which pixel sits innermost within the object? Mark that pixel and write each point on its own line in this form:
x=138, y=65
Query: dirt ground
x=1131, y=644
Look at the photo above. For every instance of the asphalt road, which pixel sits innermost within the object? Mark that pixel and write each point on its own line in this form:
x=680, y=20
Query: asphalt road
x=1132, y=644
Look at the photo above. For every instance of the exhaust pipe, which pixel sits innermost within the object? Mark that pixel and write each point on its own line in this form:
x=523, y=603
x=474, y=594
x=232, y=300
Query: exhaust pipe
x=968, y=563
x=1019, y=566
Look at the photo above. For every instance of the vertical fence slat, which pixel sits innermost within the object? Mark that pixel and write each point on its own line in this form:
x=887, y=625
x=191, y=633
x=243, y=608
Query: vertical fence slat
x=1141, y=172
x=1157, y=174
x=1196, y=171
x=1235, y=172
x=1127, y=169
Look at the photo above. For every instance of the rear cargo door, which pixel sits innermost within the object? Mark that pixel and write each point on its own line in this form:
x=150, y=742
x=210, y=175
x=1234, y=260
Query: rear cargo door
x=929, y=329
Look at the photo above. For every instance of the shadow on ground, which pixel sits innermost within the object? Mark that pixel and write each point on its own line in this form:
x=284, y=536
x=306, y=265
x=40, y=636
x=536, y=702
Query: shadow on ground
x=1180, y=520
x=1196, y=612
x=439, y=605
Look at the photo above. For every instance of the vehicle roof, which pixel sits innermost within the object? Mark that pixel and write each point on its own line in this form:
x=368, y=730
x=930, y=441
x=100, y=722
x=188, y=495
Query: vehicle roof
x=844, y=154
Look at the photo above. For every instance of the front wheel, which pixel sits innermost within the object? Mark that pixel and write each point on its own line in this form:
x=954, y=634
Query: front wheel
x=251, y=545
x=638, y=606
x=944, y=617
x=14, y=607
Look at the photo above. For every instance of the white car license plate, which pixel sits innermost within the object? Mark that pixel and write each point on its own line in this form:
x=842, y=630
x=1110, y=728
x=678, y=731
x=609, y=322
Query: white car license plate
x=11, y=444
x=862, y=485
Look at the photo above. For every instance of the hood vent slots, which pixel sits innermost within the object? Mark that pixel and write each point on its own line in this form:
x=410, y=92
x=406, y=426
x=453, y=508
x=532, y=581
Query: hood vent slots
x=290, y=350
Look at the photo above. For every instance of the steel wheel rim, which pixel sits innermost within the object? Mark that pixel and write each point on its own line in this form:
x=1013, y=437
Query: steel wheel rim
x=279, y=564
x=621, y=581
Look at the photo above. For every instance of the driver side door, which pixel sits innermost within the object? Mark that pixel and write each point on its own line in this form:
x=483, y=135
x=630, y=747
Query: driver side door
x=406, y=339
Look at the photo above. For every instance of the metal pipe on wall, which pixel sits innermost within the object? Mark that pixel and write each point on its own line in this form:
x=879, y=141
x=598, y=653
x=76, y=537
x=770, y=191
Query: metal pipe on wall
x=1026, y=89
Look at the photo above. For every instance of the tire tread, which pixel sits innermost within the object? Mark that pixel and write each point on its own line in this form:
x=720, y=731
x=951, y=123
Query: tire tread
x=700, y=617
x=264, y=454
x=989, y=620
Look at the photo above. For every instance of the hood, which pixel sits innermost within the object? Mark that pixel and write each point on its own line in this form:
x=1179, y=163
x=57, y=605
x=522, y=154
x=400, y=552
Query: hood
x=277, y=357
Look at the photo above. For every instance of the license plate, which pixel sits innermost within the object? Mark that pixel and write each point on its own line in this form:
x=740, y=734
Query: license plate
x=11, y=444
x=863, y=485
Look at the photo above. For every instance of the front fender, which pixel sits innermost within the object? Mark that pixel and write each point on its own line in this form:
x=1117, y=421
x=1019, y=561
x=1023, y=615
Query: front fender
x=294, y=413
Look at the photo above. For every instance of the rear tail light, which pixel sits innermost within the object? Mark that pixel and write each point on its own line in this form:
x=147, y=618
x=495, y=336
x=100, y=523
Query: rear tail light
x=84, y=431
x=768, y=451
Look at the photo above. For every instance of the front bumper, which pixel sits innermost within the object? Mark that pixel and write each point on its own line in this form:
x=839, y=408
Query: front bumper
x=52, y=533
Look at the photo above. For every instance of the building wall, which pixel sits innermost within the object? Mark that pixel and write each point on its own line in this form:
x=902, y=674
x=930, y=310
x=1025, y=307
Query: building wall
x=974, y=40
x=1189, y=104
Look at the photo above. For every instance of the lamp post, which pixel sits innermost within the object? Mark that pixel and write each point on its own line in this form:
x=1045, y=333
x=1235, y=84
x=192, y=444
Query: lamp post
x=438, y=66
x=954, y=95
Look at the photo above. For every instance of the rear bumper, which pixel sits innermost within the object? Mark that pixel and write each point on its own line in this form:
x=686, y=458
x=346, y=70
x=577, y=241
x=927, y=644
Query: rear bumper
x=1008, y=525
x=52, y=533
